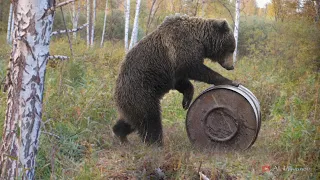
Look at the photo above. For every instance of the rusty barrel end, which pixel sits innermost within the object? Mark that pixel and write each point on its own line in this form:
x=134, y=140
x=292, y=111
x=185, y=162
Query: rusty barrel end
x=224, y=118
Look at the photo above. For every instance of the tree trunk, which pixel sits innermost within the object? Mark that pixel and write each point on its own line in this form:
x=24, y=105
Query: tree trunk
x=88, y=21
x=134, y=35
x=236, y=29
x=196, y=8
x=93, y=21
x=75, y=17
x=317, y=7
x=127, y=24
x=203, y=7
x=9, y=29
x=104, y=23
x=26, y=75
x=149, y=17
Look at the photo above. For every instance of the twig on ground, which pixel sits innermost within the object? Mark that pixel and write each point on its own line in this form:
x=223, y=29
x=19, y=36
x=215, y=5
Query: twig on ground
x=159, y=173
x=202, y=176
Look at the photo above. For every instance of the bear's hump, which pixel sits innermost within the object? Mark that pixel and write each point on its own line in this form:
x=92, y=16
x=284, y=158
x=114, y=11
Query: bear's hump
x=174, y=18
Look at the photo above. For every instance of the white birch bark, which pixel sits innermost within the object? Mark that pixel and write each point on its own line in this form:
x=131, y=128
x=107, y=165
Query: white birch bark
x=236, y=29
x=27, y=66
x=93, y=21
x=134, y=35
x=74, y=19
x=127, y=24
x=88, y=21
x=104, y=23
x=9, y=29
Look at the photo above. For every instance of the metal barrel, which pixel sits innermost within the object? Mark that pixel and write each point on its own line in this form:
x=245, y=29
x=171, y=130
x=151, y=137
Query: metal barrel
x=224, y=117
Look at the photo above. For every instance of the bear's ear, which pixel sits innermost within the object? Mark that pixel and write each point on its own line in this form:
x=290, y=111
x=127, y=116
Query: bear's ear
x=224, y=26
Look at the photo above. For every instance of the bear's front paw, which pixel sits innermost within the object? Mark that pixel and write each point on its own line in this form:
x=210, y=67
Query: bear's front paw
x=234, y=83
x=186, y=102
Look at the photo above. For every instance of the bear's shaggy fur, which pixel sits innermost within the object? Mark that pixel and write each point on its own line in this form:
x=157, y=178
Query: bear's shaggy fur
x=166, y=59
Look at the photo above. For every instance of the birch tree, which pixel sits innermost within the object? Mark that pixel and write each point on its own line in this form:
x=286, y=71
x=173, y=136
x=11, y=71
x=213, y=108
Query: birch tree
x=127, y=24
x=104, y=23
x=75, y=17
x=93, y=21
x=10, y=25
x=25, y=86
x=236, y=29
x=88, y=22
x=134, y=35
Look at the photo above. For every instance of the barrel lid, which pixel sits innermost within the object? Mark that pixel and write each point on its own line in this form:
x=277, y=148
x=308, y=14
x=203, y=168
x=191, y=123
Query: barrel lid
x=224, y=118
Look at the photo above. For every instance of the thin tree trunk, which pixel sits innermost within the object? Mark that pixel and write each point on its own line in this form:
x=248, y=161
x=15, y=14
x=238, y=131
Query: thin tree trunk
x=155, y=11
x=149, y=17
x=236, y=29
x=203, y=8
x=104, y=23
x=196, y=8
x=9, y=29
x=127, y=24
x=88, y=21
x=134, y=35
x=77, y=17
x=31, y=38
x=66, y=29
x=93, y=21
x=172, y=6
x=317, y=8
x=74, y=19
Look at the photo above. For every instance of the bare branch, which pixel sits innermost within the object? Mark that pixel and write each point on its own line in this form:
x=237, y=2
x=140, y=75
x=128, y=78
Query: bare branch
x=65, y=25
x=53, y=8
x=69, y=30
x=64, y=3
x=61, y=57
x=225, y=6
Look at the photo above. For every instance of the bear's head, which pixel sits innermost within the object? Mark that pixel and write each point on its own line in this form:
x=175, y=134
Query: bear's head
x=222, y=44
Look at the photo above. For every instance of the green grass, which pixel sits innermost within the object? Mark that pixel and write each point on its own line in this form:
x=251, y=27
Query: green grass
x=79, y=111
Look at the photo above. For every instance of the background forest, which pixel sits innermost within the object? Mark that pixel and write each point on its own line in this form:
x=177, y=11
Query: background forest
x=278, y=60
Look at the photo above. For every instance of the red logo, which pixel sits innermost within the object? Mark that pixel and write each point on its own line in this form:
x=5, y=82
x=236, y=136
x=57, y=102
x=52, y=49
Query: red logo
x=266, y=168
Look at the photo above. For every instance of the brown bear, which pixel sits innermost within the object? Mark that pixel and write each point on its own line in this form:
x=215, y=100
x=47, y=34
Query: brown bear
x=167, y=59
